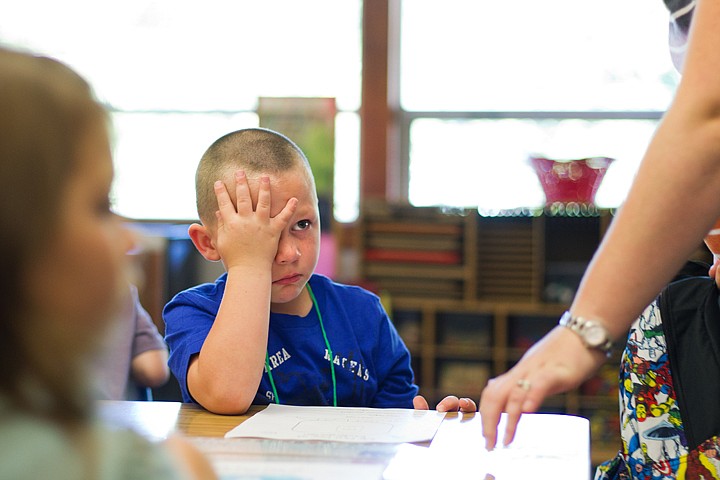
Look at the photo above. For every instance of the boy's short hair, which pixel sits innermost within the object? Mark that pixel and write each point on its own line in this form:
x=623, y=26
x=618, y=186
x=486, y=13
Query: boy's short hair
x=251, y=149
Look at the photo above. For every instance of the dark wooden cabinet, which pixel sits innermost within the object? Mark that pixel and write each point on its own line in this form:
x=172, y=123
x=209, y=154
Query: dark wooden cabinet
x=469, y=294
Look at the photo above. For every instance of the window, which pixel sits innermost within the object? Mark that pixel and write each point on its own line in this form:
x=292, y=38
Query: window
x=178, y=74
x=485, y=84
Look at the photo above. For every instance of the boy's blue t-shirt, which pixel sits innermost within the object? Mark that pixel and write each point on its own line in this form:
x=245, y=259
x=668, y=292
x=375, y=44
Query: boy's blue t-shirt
x=372, y=364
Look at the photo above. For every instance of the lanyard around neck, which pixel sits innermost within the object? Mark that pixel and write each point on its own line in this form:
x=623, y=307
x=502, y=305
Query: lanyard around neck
x=327, y=345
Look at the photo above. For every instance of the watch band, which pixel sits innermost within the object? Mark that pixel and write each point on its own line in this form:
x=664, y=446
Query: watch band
x=592, y=333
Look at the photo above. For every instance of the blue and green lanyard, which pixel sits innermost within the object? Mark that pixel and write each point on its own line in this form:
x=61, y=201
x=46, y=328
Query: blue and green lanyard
x=327, y=344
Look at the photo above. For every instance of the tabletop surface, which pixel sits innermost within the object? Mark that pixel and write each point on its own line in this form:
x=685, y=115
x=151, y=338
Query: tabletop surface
x=546, y=446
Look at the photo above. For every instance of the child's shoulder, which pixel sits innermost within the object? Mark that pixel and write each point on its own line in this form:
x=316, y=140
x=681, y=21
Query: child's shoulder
x=323, y=283
x=201, y=293
x=349, y=297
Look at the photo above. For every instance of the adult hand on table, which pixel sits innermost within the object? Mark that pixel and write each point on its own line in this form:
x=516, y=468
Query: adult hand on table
x=557, y=363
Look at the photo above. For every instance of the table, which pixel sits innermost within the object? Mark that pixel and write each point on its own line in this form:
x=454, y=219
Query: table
x=546, y=446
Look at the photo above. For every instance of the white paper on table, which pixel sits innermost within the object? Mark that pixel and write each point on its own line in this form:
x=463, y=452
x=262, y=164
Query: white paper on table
x=267, y=459
x=546, y=447
x=341, y=424
x=298, y=470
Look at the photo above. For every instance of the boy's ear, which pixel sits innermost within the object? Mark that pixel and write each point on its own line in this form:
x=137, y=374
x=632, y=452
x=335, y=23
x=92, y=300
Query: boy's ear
x=202, y=240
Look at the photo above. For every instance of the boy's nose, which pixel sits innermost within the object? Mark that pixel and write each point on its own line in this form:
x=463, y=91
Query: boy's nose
x=288, y=252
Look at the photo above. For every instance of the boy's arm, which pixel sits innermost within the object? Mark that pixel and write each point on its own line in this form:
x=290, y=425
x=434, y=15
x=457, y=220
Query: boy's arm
x=225, y=375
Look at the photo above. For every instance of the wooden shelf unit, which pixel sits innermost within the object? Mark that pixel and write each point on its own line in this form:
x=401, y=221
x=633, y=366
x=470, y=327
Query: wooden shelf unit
x=498, y=285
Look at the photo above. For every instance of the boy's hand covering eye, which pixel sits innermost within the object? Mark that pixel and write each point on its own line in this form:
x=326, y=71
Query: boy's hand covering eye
x=247, y=234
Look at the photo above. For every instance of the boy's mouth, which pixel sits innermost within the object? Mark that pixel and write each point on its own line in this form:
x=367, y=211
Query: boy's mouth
x=288, y=279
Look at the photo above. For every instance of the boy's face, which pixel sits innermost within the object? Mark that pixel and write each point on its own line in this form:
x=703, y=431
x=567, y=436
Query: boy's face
x=299, y=245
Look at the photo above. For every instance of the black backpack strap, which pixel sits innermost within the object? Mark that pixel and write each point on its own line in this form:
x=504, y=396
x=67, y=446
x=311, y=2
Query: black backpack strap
x=691, y=321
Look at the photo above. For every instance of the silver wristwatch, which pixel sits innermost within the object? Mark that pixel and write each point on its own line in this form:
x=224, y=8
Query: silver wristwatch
x=592, y=333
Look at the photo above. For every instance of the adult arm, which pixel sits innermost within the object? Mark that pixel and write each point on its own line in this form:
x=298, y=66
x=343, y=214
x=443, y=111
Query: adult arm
x=672, y=204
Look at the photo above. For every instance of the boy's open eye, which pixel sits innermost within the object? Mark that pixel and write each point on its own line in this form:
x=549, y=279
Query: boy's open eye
x=302, y=225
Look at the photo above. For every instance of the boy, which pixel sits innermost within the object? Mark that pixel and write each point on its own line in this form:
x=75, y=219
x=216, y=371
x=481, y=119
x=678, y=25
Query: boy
x=269, y=329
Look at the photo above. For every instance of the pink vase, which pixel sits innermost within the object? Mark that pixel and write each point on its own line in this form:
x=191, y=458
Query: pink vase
x=570, y=181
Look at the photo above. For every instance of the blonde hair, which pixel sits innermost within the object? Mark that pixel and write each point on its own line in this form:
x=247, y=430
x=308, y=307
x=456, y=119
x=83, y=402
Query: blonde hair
x=254, y=150
x=46, y=111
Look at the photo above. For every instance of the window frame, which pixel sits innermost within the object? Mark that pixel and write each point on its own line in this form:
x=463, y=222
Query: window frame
x=407, y=117
x=387, y=176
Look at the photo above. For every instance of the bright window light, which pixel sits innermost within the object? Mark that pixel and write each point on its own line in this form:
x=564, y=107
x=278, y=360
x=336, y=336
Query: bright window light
x=604, y=63
x=177, y=74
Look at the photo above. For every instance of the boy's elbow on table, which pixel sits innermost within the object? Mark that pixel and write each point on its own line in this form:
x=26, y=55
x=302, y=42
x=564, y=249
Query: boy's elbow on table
x=223, y=402
x=225, y=406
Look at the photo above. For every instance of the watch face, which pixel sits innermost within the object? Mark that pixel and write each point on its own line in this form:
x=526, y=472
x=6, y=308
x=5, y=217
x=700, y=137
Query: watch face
x=594, y=334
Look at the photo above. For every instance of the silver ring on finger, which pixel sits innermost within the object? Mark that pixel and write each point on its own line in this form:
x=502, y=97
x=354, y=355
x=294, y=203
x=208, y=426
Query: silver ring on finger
x=524, y=384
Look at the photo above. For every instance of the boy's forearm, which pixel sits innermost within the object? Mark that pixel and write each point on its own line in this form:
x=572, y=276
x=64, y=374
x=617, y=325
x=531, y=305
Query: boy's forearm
x=215, y=396
x=225, y=376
